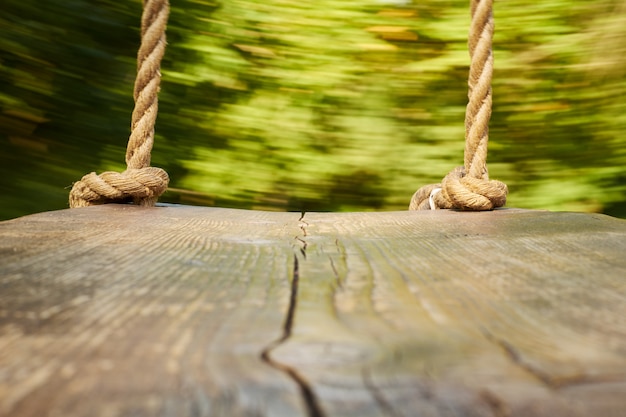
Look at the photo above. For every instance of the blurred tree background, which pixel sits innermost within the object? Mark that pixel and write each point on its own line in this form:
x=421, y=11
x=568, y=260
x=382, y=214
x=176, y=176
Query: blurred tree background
x=324, y=105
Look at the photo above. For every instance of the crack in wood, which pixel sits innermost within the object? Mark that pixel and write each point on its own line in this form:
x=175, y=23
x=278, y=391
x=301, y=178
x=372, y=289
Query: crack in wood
x=293, y=301
x=341, y=262
x=336, y=274
x=303, y=247
x=309, y=397
x=301, y=240
x=545, y=378
x=303, y=224
x=516, y=357
x=378, y=395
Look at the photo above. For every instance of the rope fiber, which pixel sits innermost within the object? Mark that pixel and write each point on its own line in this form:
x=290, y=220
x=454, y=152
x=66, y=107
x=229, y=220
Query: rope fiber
x=469, y=187
x=140, y=183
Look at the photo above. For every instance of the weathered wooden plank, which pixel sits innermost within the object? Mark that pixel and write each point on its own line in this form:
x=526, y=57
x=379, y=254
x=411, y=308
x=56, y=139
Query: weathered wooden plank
x=505, y=313
x=120, y=310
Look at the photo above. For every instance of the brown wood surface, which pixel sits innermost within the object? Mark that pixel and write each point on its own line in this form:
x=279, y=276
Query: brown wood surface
x=187, y=311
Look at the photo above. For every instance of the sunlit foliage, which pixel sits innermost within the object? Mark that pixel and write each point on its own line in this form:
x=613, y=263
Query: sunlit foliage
x=325, y=105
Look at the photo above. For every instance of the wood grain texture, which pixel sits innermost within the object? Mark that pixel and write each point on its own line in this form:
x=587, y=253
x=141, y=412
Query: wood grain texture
x=185, y=311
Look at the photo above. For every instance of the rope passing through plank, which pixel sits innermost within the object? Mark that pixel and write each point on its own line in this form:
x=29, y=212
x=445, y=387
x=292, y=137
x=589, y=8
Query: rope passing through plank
x=140, y=183
x=469, y=187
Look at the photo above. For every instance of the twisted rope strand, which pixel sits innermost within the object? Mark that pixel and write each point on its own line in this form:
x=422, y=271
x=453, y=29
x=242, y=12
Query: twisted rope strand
x=469, y=187
x=151, y=51
x=478, y=110
x=140, y=183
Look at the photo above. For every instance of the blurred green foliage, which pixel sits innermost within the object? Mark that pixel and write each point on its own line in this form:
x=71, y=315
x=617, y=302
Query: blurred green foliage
x=325, y=105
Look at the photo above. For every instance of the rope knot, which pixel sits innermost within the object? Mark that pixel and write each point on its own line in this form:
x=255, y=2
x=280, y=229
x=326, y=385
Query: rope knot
x=469, y=187
x=462, y=192
x=142, y=186
x=140, y=183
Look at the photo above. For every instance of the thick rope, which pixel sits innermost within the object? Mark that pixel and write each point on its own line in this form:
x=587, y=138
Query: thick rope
x=469, y=187
x=140, y=183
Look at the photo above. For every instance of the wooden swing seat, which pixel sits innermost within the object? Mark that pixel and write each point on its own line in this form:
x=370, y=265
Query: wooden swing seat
x=119, y=310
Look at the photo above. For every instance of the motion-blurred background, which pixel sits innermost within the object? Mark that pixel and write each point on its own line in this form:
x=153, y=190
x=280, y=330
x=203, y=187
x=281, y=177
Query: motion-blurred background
x=315, y=105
